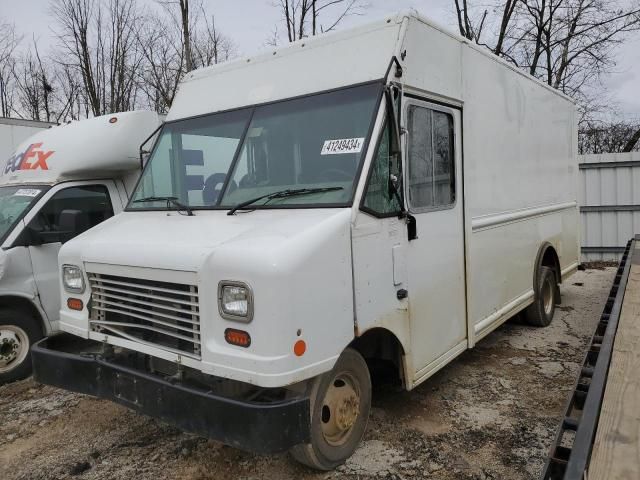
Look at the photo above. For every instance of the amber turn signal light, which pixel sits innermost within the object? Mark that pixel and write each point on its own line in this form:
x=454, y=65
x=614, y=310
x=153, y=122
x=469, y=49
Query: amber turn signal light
x=237, y=337
x=74, y=303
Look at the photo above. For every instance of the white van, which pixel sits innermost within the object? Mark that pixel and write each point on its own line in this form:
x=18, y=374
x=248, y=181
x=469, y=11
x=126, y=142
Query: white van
x=384, y=196
x=57, y=184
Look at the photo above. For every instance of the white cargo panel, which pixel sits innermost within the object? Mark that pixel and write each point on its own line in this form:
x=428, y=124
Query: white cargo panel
x=14, y=131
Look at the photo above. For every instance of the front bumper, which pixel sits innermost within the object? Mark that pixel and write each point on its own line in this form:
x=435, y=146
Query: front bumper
x=75, y=364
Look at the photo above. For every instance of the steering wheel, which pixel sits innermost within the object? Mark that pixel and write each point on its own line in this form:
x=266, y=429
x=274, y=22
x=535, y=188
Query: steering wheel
x=213, y=186
x=335, y=174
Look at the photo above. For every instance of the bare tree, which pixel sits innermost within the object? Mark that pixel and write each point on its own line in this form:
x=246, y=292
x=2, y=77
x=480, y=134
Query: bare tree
x=33, y=87
x=273, y=39
x=465, y=24
x=161, y=40
x=210, y=45
x=608, y=137
x=163, y=64
x=184, y=16
x=45, y=90
x=9, y=41
x=569, y=44
x=633, y=141
x=67, y=92
x=98, y=40
x=303, y=17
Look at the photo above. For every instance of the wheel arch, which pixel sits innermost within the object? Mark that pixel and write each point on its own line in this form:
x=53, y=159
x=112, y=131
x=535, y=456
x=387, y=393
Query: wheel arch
x=383, y=351
x=26, y=305
x=547, y=257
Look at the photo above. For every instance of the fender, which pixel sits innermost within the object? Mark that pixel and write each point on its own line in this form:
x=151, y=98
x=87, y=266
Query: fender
x=10, y=298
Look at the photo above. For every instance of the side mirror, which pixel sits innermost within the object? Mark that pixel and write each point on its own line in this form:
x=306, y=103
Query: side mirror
x=32, y=237
x=71, y=223
x=29, y=237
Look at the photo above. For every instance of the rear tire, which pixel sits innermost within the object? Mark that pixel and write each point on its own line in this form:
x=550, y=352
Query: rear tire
x=540, y=312
x=340, y=405
x=18, y=331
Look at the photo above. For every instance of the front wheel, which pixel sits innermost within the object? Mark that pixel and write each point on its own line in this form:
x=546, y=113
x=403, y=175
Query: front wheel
x=540, y=312
x=18, y=331
x=340, y=405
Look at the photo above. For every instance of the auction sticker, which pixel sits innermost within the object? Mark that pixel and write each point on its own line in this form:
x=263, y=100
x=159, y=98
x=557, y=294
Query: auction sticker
x=27, y=192
x=342, y=145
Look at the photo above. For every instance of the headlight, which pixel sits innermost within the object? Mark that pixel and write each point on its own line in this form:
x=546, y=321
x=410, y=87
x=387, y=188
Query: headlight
x=235, y=301
x=72, y=279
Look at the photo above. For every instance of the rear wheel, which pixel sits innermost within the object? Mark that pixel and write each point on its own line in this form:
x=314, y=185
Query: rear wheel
x=340, y=405
x=540, y=312
x=18, y=331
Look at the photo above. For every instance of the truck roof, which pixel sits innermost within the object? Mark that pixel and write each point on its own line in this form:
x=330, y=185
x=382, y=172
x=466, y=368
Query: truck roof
x=92, y=148
x=322, y=63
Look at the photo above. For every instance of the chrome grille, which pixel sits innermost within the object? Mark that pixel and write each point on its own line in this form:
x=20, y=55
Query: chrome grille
x=161, y=314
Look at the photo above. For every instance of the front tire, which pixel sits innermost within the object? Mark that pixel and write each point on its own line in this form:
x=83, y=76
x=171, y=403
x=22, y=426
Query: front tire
x=18, y=331
x=540, y=312
x=340, y=406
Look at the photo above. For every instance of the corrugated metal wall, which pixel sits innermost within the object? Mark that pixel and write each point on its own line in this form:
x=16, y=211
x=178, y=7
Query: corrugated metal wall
x=609, y=199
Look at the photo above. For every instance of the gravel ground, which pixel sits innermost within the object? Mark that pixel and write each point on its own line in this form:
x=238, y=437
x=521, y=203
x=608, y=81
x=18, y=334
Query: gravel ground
x=490, y=414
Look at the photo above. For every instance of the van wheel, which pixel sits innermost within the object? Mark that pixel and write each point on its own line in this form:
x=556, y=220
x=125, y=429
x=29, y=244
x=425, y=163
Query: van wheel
x=18, y=331
x=340, y=405
x=540, y=312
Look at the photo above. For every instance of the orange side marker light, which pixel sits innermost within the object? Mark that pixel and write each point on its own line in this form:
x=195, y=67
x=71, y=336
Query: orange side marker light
x=299, y=348
x=74, y=304
x=239, y=338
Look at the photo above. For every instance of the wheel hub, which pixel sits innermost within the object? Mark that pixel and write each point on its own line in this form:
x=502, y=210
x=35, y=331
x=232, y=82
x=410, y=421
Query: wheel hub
x=14, y=346
x=340, y=410
x=347, y=412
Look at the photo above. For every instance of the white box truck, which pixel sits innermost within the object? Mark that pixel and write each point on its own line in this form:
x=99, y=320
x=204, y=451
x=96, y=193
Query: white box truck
x=57, y=184
x=13, y=131
x=380, y=197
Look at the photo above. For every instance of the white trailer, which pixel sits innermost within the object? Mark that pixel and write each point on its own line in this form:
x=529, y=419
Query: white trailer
x=387, y=195
x=13, y=131
x=57, y=184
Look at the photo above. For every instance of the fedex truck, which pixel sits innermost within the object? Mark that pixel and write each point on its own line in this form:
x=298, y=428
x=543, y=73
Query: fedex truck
x=57, y=184
x=378, y=199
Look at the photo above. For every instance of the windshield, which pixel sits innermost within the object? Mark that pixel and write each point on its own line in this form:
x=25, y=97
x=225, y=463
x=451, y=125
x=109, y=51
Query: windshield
x=225, y=159
x=15, y=201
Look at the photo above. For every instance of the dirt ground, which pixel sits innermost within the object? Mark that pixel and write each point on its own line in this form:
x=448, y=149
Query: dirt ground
x=490, y=414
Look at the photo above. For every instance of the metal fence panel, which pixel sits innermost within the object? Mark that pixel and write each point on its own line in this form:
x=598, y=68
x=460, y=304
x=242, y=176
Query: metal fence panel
x=609, y=199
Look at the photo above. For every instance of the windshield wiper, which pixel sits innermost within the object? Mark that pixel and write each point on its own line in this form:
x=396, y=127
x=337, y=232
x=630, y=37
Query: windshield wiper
x=170, y=200
x=282, y=194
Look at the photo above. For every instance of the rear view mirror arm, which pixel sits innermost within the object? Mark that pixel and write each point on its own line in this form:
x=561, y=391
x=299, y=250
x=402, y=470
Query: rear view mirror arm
x=146, y=140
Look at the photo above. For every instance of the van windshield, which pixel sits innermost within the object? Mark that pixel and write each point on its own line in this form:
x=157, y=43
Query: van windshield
x=225, y=159
x=15, y=201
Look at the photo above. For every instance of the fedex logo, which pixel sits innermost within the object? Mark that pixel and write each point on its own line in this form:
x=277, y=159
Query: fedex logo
x=31, y=159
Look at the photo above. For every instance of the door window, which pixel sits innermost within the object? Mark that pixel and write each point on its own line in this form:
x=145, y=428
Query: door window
x=379, y=198
x=430, y=155
x=91, y=202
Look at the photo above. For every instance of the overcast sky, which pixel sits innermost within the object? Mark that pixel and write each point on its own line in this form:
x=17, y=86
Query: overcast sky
x=251, y=22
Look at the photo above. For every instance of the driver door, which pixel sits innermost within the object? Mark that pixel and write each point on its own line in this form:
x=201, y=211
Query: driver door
x=94, y=203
